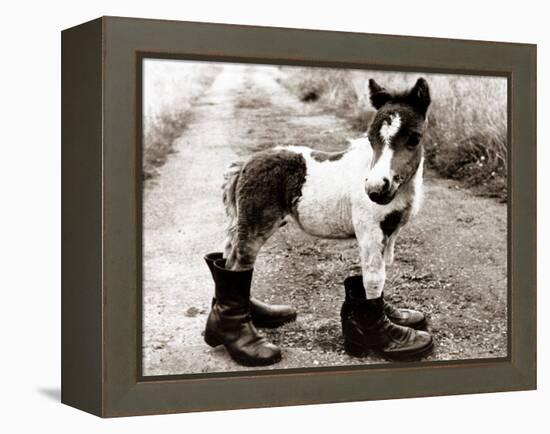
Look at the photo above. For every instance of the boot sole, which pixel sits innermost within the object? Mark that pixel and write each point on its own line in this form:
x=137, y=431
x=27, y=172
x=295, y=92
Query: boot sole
x=273, y=324
x=358, y=350
x=419, y=326
x=248, y=362
x=213, y=341
x=408, y=355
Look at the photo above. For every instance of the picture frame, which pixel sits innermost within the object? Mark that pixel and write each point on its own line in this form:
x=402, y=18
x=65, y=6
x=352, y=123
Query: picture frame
x=101, y=212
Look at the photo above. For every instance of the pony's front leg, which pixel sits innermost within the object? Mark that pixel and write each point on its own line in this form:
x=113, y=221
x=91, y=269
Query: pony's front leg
x=371, y=247
x=389, y=249
x=372, y=323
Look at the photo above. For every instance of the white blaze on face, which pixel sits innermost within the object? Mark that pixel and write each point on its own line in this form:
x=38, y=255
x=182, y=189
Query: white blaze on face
x=387, y=131
x=382, y=168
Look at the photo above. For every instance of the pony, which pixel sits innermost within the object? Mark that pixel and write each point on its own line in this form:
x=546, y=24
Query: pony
x=368, y=191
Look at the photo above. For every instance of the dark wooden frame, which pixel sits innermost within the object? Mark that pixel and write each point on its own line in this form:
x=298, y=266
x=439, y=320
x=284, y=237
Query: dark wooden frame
x=101, y=208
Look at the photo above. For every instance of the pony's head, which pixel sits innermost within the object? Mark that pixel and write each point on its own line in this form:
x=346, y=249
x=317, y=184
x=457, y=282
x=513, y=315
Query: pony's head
x=395, y=135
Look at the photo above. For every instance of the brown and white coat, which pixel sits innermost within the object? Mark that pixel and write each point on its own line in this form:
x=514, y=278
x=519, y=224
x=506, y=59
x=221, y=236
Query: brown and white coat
x=368, y=191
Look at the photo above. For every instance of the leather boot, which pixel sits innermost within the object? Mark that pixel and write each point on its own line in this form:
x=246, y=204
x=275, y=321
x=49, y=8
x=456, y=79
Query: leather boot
x=403, y=317
x=229, y=321
x=263, y=315
x=366, y=327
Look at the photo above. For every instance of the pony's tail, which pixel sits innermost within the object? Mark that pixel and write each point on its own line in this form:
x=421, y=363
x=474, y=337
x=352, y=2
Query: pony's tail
x=229, y=187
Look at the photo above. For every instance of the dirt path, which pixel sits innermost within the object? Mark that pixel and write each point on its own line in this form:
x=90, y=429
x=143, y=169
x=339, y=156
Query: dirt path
x=450, y=262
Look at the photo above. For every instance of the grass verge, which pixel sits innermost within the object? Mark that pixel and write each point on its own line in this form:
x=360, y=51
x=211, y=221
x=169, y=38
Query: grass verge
x=170, y=90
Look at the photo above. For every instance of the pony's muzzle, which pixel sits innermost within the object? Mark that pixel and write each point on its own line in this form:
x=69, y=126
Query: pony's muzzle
x=379, y=191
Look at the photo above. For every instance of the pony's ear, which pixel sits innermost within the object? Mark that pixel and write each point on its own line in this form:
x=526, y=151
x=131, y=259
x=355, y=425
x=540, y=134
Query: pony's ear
x=378, y=95
x=419, y=96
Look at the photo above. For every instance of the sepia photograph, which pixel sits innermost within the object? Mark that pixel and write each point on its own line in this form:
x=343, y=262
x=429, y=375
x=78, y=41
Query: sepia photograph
x=312, y=217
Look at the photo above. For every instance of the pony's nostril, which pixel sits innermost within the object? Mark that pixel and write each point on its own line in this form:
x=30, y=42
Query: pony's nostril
x=386, y=185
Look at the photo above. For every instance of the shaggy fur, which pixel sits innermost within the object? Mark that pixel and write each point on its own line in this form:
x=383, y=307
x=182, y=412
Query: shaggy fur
x=268, y=187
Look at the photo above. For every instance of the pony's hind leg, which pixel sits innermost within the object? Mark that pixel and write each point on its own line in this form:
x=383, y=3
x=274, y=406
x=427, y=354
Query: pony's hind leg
x=256, y=222
x=267, y=186
x=229, y=241
x=247, y=243
x=243, y=252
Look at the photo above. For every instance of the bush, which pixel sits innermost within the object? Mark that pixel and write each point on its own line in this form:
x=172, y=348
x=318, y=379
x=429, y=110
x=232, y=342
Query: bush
x=169, y=90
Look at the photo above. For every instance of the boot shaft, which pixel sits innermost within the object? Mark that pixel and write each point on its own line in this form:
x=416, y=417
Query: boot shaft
x=355, y=291
x=355, y=294
x=356, y=303
x=229, y=322
x=228, y=284
x=263, y=314
x=210, y=258
x=232, y=288
x=366, y=327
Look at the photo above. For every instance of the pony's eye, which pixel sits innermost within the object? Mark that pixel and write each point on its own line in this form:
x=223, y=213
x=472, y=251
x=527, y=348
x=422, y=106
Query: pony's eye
x=413, y=141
